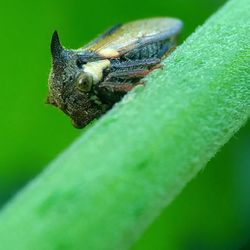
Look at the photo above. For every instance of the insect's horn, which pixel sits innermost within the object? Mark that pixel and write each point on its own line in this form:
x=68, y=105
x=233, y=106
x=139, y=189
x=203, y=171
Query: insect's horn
x=55, y=46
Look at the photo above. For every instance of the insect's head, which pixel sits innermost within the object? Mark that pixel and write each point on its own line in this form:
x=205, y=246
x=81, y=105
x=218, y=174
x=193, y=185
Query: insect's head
x=70, y=89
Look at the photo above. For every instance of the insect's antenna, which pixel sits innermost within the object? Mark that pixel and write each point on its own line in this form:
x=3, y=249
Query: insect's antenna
x=55, y=46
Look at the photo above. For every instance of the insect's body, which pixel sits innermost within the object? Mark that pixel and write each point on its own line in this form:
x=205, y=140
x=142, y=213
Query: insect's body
x=85, y=83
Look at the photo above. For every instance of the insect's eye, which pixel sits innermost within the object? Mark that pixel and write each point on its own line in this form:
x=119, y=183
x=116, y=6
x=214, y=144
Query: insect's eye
x=84, y=83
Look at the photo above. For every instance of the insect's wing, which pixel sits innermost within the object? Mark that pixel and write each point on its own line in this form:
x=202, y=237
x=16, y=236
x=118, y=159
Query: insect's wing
x=134, y=34
x=103, y=36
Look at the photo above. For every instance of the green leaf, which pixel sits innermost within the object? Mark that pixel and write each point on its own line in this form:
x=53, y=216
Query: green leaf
x=104, y=190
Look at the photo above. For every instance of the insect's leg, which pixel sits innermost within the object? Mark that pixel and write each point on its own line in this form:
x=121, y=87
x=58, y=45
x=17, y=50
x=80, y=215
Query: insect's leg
x=112, y=92
x=146, y=63
x=168, y=52
x=119, y=82
x=127, y=73
x=118, y=87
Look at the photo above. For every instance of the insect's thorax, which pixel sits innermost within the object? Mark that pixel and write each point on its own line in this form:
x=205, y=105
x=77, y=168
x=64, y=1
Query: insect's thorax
x=96, y=68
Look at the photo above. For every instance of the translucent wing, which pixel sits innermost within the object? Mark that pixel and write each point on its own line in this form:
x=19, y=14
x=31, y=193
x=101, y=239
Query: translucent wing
x=133, y=35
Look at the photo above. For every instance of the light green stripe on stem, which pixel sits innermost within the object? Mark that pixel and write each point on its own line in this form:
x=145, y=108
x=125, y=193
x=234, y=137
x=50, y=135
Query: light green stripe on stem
x=104, y=190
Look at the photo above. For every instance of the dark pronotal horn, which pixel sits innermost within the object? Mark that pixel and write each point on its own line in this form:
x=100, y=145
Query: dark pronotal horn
x=55, y=46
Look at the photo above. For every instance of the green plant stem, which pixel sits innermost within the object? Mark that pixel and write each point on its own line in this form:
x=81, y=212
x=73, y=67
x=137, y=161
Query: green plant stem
x=104, y=190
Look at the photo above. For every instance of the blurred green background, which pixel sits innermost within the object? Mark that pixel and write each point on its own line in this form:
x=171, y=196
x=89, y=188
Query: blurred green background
x=213, y=210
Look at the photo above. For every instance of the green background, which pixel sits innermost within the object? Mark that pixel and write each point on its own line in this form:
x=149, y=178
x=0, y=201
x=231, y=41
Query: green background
x=211, y=213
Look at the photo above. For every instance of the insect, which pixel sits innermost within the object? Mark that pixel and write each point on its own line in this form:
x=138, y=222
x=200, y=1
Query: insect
x=86, y=82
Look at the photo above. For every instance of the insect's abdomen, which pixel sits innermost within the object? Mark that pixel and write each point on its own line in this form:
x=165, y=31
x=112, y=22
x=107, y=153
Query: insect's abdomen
x=152, y=50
